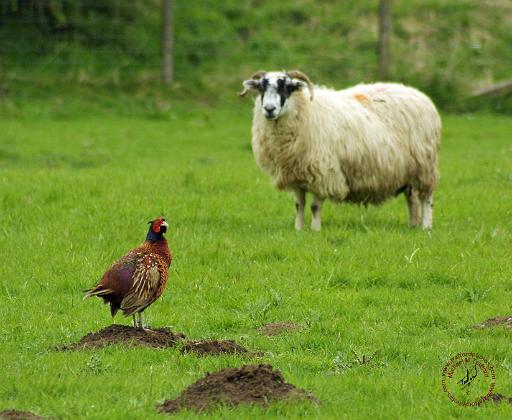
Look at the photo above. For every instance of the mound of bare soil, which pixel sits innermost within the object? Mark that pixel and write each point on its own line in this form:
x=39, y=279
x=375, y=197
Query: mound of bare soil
x=276, y=328
x=494, y=322
x=123, y=334
x=249, y=384
x=157, y=338
x=18, y=415
x=214, y=347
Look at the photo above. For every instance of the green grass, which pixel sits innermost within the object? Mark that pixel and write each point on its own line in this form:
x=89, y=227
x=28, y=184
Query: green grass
x=76, y=194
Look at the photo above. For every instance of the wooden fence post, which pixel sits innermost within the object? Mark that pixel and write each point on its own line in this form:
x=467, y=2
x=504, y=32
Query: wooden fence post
x=167, y=42
x=384, y=35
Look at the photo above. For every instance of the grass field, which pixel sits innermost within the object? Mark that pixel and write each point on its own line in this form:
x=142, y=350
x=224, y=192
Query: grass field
x=77, y=192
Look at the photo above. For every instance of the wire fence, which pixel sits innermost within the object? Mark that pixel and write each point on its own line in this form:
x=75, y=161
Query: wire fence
x=442, y=47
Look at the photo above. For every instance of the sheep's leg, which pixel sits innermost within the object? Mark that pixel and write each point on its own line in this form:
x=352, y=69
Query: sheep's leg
x=316, y=210
x=300, y=203
x=413, y=203
x=427, y=203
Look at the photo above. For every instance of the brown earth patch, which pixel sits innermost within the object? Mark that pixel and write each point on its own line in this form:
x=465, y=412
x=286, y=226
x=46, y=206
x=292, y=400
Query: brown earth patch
x=156, y=338
x=276, y=328
x=123, y=334
x=18, y=415
x=498, y=398
x=249, y=384
x=214, y=347
x=494, y=322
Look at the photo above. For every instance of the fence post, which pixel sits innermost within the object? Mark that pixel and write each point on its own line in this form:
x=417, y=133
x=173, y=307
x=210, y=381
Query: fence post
x=384, y=35
x=167, y=42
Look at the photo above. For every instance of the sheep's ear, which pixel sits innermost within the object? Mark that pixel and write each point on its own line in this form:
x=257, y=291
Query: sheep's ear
x=250, y=84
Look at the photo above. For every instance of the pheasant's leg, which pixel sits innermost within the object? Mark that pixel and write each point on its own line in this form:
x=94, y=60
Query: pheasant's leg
x=141, y=322
x=134, y=321
x=300, y=202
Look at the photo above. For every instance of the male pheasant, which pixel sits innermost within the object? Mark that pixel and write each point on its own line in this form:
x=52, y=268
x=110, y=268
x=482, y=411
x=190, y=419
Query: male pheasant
x=139, y=278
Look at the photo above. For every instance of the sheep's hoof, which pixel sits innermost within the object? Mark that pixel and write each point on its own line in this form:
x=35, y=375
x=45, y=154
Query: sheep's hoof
x=316, y=227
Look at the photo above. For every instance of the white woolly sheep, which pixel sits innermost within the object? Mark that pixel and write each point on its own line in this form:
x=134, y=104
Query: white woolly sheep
x=362, y=145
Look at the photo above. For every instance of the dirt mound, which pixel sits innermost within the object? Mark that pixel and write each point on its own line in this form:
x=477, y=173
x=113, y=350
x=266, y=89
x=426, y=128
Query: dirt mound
x=117, y=334
x=248, y=384
x=498, y=398
x=18, y=415
x=276, y=328
x=157, y=338
x=214, y=347
x=494, y=322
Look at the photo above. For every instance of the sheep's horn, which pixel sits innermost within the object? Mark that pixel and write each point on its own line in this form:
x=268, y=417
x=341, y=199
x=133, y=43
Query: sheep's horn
x=296, y=74
x=256, y=76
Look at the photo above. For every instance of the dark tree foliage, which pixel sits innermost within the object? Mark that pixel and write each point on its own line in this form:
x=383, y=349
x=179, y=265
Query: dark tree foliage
x=92, y=22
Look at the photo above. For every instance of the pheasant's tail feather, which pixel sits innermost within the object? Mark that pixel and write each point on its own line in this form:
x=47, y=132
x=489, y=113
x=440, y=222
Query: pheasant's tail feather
x=113, y=309
x=95, y=291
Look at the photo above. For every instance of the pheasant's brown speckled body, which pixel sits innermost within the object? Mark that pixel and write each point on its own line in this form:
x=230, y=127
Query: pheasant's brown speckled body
x=139, y=278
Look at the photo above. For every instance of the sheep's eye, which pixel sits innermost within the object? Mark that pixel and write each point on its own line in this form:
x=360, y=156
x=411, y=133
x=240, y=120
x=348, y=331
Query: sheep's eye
x=281, y=86
x=290, y=88
x=262, y=86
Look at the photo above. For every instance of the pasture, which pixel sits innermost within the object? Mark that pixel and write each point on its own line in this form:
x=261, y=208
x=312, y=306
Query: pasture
x=77, y=192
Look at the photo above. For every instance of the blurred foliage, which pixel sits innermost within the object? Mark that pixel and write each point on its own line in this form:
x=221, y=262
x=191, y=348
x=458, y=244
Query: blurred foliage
x=445, y=48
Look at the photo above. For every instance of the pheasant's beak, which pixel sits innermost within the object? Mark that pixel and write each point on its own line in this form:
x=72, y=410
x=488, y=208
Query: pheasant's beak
x=164, y=224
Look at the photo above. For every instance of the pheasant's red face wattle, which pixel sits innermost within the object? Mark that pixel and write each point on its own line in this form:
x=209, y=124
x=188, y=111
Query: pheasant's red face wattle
x=157, y=225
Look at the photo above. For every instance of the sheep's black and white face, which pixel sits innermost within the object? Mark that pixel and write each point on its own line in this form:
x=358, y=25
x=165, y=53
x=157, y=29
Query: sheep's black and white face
x=275, y=89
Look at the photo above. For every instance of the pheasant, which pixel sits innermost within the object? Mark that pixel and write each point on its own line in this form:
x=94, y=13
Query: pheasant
x=139, y=278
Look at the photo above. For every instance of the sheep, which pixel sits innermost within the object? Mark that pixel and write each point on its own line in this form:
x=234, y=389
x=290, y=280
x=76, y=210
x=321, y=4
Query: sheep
x=361, y=145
